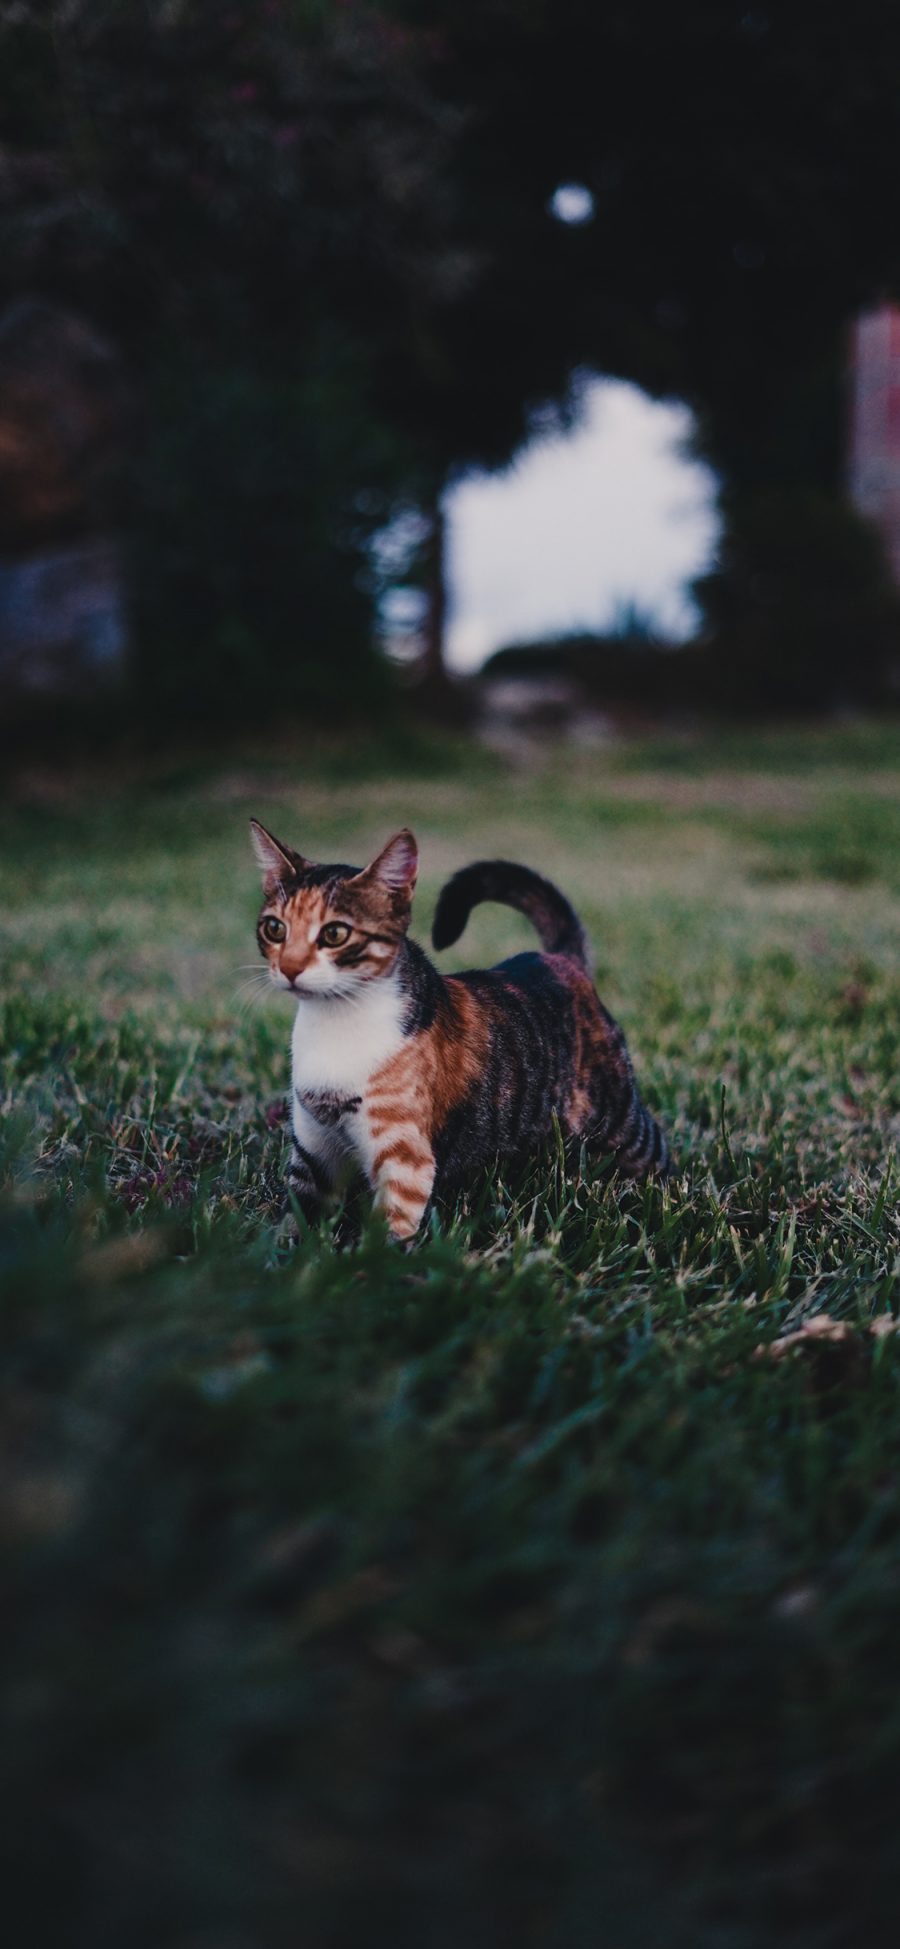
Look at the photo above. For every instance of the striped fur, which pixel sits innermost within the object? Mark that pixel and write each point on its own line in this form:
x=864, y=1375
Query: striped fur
x=419, y=1080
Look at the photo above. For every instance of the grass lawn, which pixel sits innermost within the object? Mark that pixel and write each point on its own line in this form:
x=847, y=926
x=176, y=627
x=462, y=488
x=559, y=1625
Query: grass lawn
x=540, y=1586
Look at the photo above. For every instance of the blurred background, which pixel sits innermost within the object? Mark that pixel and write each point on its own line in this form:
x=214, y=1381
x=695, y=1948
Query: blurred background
x=521, y=360
x=482, y=415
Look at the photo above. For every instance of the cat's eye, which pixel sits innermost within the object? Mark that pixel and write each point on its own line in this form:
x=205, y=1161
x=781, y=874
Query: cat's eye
x=334, y=933
x=274, y=929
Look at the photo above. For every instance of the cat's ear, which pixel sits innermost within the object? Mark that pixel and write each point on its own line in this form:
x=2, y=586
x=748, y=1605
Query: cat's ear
x=276, y=862
x=396, y=865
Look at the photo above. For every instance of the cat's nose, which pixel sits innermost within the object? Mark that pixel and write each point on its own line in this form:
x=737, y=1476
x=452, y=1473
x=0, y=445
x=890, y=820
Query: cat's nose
x=290, y=969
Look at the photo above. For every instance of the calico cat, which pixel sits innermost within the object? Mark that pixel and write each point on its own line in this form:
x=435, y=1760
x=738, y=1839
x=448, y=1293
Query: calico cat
x=421, y=1080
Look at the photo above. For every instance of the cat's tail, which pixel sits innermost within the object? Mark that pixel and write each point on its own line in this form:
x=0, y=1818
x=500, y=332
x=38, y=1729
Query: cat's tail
x=558, y=926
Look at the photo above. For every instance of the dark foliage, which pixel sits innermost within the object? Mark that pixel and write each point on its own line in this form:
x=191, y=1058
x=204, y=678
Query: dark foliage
x=324, y=238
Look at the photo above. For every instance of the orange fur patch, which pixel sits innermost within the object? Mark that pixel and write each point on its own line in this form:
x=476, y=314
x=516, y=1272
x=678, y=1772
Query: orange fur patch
x=434, y=1071
x=401, y=1152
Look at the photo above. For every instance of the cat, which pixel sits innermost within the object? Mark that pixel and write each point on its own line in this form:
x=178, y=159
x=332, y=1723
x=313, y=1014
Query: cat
x=422, y=1081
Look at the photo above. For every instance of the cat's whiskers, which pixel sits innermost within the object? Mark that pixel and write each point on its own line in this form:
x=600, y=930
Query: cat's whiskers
x=347, y=995
x=263, y=978
x=245, y=1008
x=257, y=979
x=252, y=990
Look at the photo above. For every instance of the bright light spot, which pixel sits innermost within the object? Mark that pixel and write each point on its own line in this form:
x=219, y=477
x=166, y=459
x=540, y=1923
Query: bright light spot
x=580, y=527
x=572, y=203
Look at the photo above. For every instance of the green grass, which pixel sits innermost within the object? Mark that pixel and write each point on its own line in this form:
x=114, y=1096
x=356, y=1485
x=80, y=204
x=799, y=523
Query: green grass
x=512, y=1589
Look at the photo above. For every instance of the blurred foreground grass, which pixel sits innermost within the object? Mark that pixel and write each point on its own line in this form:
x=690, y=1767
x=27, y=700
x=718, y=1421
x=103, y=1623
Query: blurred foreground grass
x=536, y=1586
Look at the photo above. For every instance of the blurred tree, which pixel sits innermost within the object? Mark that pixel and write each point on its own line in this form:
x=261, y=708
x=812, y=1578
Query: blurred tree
x=236, y=196
x=268, y=206
x=330, y=240
x=64, y=415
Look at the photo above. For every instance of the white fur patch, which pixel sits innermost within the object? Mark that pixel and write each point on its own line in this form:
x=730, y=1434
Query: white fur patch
x=338, y=1042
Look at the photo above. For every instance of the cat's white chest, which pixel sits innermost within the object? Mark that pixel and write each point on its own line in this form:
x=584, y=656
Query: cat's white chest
x=338, y=1045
